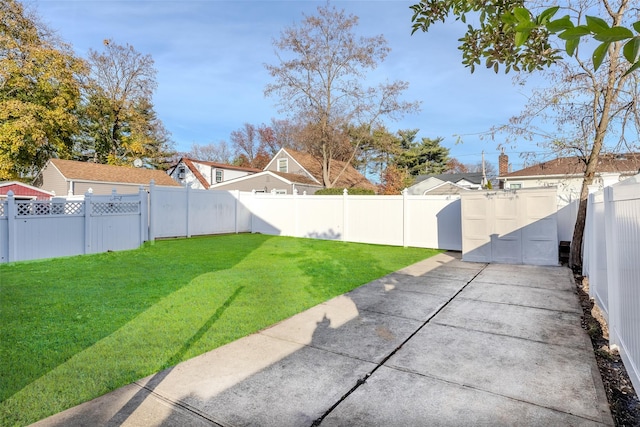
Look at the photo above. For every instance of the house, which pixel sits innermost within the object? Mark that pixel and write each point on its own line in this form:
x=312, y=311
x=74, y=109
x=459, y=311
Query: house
x=292, y=170
x=566, y=173
x=447, y=183
x=24, y=191
x=70, y=178
x=201, y=174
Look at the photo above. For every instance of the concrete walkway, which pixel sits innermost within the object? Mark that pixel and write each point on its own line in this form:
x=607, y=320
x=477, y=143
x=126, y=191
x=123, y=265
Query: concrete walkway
x=441, y=342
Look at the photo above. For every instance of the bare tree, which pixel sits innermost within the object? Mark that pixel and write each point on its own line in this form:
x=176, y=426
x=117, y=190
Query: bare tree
x=119, y=121
x=286, y=134
x=319, y=78
x=592, y=101
x=219, y=153
x=590, y=111
x=249, y=147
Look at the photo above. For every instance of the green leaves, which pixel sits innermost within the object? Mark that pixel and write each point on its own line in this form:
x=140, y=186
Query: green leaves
x=511, y=35
x=631, y=49
x=558, y=25
x=595, y=27
x=574, y=33
x=610, y=35
x=599, y=54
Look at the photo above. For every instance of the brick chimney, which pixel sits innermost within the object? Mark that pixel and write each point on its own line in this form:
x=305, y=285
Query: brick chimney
x=503, y=167
x=503, y=164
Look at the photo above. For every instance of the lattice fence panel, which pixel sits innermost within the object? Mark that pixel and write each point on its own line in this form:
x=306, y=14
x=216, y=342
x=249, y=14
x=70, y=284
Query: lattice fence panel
x=3, y=210
x=111, y=208
x=40, y=208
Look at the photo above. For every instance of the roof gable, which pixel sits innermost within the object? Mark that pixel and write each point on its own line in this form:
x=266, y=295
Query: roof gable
x=95, y=172
x=350, y=178
x=445, y=189
x=471, y=177
x=22, y=189
x=194, y=170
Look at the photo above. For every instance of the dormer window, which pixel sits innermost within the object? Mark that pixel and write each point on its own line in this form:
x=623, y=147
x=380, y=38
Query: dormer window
x=283, y=165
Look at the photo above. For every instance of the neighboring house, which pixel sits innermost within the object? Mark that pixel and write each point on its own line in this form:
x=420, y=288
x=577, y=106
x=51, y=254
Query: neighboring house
x=201, y=174
x=24, y=191
x=444, y=189
x=268, y=181
x=72, y=178
x=291, y=170
x=566, y=173
x=434, y=184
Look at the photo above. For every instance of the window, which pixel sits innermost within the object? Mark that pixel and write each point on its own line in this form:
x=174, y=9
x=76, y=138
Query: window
x=515, y=186
x=219, y=175
x=281, y=191
x=283, y=165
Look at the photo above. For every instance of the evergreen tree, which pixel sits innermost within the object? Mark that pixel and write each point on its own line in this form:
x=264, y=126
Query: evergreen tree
x=425, y=157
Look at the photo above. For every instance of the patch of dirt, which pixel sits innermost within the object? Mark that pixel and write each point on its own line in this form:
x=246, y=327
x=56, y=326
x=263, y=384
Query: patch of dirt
x=623, y=399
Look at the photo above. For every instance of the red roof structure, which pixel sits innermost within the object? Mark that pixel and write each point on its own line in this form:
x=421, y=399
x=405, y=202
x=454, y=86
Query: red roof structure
x=22, y=190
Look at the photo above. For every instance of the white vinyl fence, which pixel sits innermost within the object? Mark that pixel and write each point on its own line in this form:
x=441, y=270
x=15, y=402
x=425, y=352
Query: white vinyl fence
x=612, y=264
x=184, y=212
x=419, y=221
x=34, y=229
x=61, y=227
x=510, y=226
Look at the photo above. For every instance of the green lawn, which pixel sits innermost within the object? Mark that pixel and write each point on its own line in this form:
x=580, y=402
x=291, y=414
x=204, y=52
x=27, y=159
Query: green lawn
x=72, y=329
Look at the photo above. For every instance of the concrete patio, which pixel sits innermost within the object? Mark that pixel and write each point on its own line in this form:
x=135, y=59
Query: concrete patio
x=442, y=342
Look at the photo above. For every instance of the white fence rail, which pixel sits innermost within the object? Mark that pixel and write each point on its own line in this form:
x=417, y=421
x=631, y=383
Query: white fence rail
x=612, y=264
x=34, y=229
x=419, y=221
x=183, y=212
x=45, y=229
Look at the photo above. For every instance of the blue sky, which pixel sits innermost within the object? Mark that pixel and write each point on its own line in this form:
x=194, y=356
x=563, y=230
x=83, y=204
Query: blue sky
x=210, y=58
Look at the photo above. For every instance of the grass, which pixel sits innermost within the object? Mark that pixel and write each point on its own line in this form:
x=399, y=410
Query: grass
x=72, y=329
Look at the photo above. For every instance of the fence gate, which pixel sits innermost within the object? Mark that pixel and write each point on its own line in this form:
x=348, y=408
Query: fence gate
x=511, y=227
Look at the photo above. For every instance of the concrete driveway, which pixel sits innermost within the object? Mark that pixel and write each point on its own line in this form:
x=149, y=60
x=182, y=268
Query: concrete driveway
x=442, y=342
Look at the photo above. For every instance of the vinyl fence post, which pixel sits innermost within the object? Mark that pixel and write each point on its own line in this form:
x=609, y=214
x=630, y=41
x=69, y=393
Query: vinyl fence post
x=252, y=209
x=405, y=218
x=11, y=227
x=236, y=195
x=152, y=214
x=613, y=277
x=87, y=222
x=188, y=209
x=144, y=215
x=345, y=214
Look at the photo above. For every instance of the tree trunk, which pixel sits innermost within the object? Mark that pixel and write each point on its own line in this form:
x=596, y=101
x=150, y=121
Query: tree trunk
x=575, y=259
x=602, y=118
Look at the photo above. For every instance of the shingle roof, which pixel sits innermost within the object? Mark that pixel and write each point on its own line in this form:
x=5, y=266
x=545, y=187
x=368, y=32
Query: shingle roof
x=350, y=178
x=296, y=178
x=95, y=172
x=621, y=163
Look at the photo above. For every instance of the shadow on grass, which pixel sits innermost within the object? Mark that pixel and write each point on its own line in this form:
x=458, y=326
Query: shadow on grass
x=55, y=309
x=129, y=408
